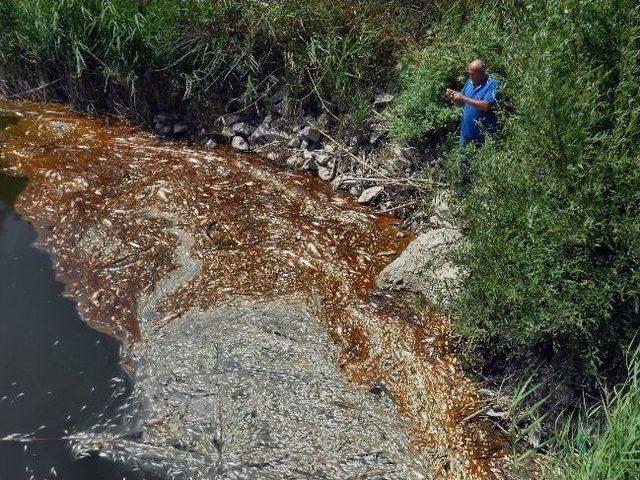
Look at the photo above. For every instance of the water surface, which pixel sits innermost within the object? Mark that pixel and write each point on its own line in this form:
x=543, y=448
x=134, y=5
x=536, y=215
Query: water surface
x=58, y=377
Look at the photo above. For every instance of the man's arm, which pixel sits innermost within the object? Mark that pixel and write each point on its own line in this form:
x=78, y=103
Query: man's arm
x=459, y=99
x=485, y=105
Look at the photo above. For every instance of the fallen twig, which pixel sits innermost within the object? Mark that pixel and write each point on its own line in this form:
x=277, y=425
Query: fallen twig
x=20, y=94
x=398, y=207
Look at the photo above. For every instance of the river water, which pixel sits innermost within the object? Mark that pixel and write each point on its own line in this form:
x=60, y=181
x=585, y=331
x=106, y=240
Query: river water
x=58, y=377
x=221, y=275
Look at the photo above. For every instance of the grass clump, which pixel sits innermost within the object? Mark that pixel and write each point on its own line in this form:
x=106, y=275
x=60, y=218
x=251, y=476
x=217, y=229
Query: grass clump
x=605, y=444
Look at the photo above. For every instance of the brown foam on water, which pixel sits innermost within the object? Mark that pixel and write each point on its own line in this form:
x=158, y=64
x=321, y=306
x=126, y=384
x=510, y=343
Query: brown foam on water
x=258, y=232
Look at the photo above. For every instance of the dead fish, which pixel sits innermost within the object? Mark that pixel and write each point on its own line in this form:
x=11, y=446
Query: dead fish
x=169, y=317
x=307, y=263
x=313, y=249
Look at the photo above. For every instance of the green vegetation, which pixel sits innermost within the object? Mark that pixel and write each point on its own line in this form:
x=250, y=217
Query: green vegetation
x=552, y=219
x=197, y=56
x=604, y=450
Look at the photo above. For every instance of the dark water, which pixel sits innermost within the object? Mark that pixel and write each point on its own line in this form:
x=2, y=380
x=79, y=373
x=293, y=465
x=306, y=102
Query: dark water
x=57, y=376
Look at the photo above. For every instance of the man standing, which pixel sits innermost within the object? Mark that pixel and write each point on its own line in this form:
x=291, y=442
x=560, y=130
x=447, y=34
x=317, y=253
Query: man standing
x=478, y=98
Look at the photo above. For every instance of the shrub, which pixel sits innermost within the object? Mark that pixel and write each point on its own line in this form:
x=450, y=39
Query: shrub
x=552, y=221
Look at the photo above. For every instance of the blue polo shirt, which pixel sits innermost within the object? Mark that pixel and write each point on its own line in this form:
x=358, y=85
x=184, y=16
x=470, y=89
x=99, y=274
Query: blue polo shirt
x=475, y=122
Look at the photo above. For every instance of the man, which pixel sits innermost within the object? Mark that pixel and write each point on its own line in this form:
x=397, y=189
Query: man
x=478, y=98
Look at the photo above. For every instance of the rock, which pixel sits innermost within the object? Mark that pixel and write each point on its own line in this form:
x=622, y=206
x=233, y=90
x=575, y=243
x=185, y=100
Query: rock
x=229, y=119
x=423, y=267
x=272, y=156
x=310, y=163
x=355, y=190
x=322, y=159
x=305, y=144
x=325, y=173
x=370, y=194
x=210, y=144
x=180, y=129
x=243, y=128
x=294, y=143
x=383, y=100
x=266, y=121
x=239, y=143
x=167, y=129
x=311, y=133
x=227, y=132
x=295, y=161
x=267, y=134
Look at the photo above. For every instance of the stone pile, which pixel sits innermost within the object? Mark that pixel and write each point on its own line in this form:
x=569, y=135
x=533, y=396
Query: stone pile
x=303, y=143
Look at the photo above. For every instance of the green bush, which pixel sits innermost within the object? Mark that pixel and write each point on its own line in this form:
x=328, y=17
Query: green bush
x=553, y=218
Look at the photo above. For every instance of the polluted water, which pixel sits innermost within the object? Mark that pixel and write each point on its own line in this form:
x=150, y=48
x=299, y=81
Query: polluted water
x=246, y=298
x=58, y=377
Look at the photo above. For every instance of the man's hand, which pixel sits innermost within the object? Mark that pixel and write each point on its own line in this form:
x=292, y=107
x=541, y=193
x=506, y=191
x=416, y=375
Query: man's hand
x=455, y=97
x=459, y=99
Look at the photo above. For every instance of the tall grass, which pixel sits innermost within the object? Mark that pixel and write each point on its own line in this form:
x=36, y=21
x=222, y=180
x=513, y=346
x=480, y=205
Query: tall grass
x=605, y=445
x=198, y=55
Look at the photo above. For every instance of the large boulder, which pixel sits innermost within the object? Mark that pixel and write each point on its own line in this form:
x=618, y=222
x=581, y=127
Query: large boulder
x=423, y=267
